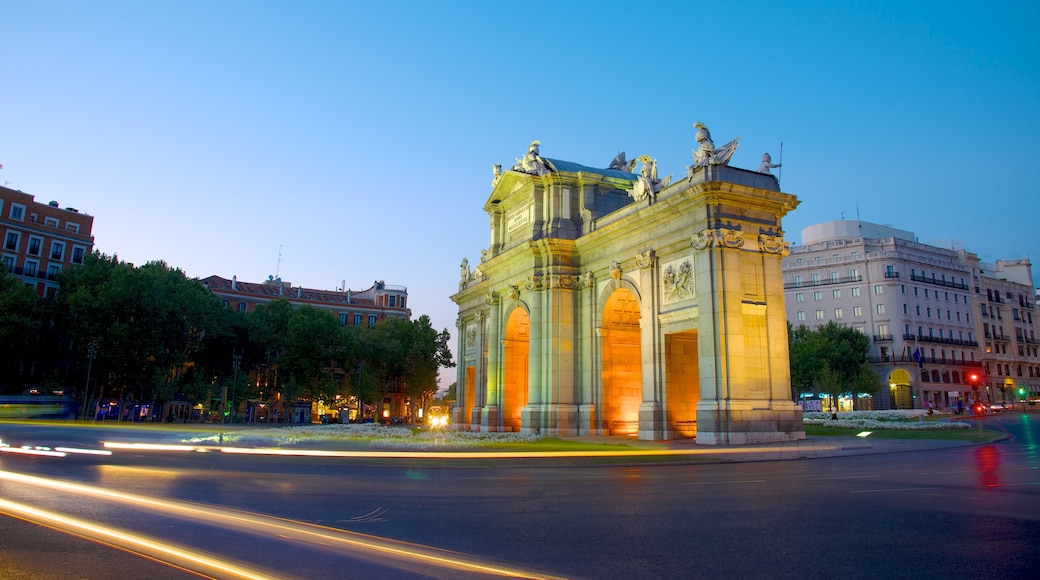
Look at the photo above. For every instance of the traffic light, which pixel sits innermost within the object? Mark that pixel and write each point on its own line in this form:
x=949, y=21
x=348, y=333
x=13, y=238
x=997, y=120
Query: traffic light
x=1021, y=392
x=973, y=380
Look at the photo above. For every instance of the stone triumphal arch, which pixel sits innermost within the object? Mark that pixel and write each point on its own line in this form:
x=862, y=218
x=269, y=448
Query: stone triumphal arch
x=612, y=301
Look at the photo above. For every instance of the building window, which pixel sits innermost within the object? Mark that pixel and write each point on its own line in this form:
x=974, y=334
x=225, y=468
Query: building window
x=817, y=295
x=393, y=301
x=800, y=316
x=834, y=277
x=72, y=227
x=57, y=250
x=855, y=291
x=815, y=279
x=34, y=246
x=342, y=318
x=8, y=263
x=53, y=270
x=857, y=311
x=877, y=289
x=77, y=254
x=241, y=306
x=50, y=222
x=30, y=267
x=838, y=313
x=797, y=281
x=853, y=273
x=799, y=297
x=11, y=241
x=17, y=212
x=819, y=315
x=906, y=309
x=880, y=309
x=357, y=320
x=836, y=293
x=371, y=320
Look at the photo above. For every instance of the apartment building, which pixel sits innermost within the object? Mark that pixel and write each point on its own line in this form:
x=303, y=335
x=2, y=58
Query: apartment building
x=1008, y=329
x=914, y=301
x=352, y=307
x=39, y=240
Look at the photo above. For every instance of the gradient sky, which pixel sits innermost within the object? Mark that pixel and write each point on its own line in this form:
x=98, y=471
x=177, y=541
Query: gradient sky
x=332, y=142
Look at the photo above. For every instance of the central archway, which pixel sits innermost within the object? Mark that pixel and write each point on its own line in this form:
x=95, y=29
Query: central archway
x=517, y=348
x=622, y=364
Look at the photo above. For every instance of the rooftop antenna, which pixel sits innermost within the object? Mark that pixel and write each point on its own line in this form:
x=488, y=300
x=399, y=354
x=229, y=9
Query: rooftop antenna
x=278, y=268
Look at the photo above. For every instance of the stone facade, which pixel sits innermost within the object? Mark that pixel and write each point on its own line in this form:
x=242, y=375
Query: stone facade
x=615, y=303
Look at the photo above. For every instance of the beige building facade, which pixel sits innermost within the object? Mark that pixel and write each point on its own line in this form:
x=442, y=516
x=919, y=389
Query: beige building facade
x=615, y=303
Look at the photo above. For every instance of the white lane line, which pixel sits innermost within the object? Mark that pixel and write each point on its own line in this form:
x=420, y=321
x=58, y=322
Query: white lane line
x=723, y=482
x=893, y=489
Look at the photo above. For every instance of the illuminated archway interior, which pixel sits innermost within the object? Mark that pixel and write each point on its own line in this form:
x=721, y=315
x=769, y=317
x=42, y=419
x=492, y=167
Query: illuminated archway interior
x=622, y=372
x=516, y=352
x=682, y=386
x=899, y=388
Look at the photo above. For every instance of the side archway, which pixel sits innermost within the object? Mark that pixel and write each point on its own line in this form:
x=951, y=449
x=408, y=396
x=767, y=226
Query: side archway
x=621, y=364
x=899, y=389
x=516, y=353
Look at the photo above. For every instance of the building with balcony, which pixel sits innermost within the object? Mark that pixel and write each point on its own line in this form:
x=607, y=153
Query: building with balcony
x=1008, y=327
x=930, y=311
x=914, y=301
x=37, y=240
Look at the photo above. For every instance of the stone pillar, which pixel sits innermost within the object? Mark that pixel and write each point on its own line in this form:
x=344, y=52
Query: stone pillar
x=532, y=414
x=745, y=392
x=491, y=419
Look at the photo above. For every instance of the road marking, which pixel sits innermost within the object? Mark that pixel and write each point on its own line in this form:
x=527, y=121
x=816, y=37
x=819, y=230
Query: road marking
x=723, y=482
x=894, y=489
x=844, y=477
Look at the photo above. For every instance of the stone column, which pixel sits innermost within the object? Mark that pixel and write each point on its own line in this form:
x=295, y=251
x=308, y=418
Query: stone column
x=491, y=419
x=532, y=414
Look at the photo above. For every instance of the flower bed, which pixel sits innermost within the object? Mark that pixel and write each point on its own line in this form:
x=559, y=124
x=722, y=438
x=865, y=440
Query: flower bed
x=374, y=435
x=875, y=420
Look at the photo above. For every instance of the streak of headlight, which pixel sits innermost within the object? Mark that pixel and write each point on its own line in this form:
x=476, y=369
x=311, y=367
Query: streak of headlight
x=177, y=555
x=251, y=522
x=83, y=451
x=439, y=454
x=31, y=451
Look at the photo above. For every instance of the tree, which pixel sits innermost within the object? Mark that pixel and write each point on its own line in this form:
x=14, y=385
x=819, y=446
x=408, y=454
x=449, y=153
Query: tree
x=20, y=315
x=831, y=360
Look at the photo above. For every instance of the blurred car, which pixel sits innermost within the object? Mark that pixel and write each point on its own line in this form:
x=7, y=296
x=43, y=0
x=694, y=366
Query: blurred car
x=1000, y=407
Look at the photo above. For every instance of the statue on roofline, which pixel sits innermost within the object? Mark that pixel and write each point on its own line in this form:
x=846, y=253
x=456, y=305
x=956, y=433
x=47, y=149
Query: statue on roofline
x=620, y=164
x=767, y=164
x=533, y=162
x=648, y=184
x=706, y=153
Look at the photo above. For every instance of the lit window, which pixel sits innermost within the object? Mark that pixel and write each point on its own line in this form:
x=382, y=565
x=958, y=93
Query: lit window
x=838, y=313
x=857, y=311
x=819, y=315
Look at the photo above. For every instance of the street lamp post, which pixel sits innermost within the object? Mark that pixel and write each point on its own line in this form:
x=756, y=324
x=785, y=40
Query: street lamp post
x=91, y=355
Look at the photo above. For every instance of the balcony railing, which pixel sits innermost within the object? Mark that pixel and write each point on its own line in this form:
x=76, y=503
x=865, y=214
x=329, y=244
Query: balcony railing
x=937, y=340
x=944, y=283
x=827, y=282
x=882, y=338
x=891, y=274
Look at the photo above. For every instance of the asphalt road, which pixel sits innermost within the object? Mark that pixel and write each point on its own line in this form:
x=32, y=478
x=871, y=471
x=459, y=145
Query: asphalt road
x=964, y=512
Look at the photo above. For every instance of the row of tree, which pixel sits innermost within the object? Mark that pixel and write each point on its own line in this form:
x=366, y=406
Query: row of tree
x=150, y=334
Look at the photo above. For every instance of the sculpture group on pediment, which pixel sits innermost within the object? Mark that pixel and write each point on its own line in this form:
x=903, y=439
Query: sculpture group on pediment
x=532, y=162
x=648, y=184
x=706, y=153
x=620, y=164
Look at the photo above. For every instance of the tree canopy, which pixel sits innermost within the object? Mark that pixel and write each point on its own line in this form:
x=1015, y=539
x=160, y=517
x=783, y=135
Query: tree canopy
x=831, y=360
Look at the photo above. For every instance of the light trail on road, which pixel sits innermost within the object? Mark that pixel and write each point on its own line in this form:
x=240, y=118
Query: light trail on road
x=241, y=520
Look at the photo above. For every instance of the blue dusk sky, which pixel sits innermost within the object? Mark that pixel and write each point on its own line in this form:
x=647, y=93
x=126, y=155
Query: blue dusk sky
x=346, y=142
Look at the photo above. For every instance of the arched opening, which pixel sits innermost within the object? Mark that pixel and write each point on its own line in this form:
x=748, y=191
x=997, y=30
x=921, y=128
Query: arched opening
x=682, y=382
x=622, y=364
x=469, y=397
x=517, y=347
x=899, y=389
